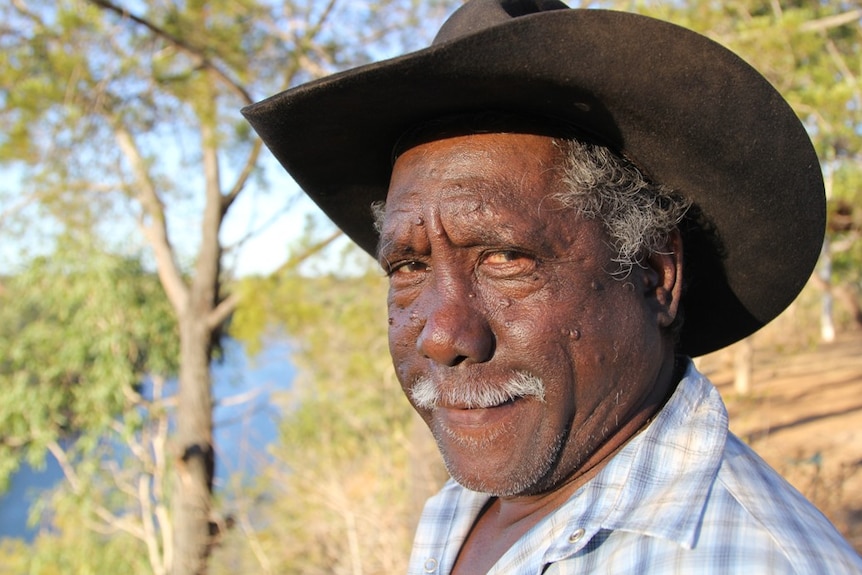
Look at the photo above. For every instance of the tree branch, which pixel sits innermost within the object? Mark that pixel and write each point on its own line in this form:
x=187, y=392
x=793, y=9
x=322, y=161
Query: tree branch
x=149, y=528
x=841, y=64
x=203, y=60
x=293, y=262
x=159, y=444
x=222, y=311
x=208, y=263
x=831, y=21
x=254, y=542
x=274, y=217
x=303, y=43
x=156, y=231
x=242, y=179
x=227, y=306
x=65, y=465
x=18, y=206
x=22, y=8
x=120, y=523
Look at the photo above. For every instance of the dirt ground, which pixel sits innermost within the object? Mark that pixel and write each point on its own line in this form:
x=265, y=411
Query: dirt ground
x=803, y=415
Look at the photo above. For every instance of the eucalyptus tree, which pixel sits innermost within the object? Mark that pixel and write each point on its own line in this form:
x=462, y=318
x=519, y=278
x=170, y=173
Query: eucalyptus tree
x=87, y=341
x=123, y=118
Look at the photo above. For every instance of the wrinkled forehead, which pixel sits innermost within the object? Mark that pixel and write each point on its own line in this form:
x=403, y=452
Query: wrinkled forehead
x=476, y=169
x=477, y=186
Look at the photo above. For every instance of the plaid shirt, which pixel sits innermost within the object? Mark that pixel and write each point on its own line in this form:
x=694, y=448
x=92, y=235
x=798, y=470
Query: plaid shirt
x=683, y=496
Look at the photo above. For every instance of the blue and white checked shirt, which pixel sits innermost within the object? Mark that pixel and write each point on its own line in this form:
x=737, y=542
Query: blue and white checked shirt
x=684, y=496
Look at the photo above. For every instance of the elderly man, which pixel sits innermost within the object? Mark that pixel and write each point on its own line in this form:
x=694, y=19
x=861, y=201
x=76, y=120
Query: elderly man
x=576, y=201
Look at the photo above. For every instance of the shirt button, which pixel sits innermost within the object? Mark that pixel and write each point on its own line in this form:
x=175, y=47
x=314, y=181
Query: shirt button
x=577, y=535
x=430, y=565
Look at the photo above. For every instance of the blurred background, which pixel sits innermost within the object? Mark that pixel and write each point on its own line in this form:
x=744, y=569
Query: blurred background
x=165, y=287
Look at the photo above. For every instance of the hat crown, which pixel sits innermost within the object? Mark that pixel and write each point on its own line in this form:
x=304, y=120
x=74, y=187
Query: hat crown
x=477, y=15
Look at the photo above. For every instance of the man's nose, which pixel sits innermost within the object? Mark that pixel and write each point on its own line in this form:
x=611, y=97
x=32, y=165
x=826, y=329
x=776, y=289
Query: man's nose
x=456, y=330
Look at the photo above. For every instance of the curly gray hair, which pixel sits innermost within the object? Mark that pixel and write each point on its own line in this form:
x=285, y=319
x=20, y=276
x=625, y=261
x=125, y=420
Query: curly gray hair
x=637, y=214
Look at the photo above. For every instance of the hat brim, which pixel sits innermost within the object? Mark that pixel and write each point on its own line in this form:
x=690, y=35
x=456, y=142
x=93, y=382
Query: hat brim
x=687, y=111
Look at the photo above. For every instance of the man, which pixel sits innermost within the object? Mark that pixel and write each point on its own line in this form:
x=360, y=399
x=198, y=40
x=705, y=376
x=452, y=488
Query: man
x=561, y=187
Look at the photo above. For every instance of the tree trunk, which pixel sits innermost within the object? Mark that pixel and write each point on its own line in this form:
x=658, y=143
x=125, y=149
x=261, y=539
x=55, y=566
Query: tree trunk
x=827, y=322
x=194, y=529
x=195, y=463
x=743, y=365
x=848, y=295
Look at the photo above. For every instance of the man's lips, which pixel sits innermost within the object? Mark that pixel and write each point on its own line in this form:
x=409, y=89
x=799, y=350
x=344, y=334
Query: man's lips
x=455, y=418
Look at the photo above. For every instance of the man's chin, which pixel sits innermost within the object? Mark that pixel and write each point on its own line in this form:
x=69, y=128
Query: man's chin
x=502, y=473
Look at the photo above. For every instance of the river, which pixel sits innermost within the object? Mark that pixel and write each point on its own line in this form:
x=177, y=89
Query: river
x=239, y=425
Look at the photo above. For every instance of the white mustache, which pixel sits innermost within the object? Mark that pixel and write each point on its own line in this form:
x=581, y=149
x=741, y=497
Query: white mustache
x=474, y=395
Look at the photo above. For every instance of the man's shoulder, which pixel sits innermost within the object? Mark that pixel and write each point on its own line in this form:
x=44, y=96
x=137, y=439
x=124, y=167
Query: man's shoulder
x=769, y=514
x=751, y=521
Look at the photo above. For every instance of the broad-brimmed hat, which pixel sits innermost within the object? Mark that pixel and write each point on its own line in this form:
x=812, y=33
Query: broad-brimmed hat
x=687, y=111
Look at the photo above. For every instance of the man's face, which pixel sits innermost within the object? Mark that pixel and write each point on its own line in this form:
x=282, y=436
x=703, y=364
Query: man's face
x=494, y=285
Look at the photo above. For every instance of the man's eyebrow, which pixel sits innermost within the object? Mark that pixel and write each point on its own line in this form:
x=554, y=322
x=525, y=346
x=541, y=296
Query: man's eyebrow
x=389, y=247
x=390, y=243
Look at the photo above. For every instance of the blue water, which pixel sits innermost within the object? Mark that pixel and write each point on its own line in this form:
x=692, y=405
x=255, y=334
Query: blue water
x=242, y=430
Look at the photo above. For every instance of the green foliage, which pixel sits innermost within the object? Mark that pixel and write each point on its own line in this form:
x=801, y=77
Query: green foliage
x=117, y=116
x=79, y=330
x=112, y=507
x=72, y=550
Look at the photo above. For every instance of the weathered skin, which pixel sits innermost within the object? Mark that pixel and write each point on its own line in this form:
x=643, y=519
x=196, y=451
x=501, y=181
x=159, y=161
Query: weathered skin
x=490, y=276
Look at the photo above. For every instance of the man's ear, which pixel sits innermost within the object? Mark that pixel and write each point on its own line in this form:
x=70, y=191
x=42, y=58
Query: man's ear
x=664, y=279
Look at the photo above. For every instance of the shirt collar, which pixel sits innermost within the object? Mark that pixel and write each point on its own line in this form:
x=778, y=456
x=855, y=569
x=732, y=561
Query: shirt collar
x=658, y=484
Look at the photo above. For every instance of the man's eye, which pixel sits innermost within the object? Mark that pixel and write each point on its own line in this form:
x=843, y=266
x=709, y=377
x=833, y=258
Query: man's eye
x=507, y=263
x=506, y=257
x=410, y=267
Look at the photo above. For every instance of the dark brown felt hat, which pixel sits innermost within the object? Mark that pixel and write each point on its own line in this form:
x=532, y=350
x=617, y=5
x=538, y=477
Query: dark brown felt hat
x=688, y=112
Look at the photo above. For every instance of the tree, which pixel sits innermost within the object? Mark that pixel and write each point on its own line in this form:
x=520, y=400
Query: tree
x=113, y=114
x=82, y=333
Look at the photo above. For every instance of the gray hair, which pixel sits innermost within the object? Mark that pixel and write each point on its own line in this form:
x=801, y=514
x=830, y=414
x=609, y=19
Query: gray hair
x=378, y=212
x=637, y=214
